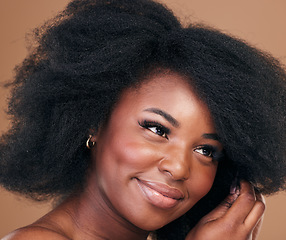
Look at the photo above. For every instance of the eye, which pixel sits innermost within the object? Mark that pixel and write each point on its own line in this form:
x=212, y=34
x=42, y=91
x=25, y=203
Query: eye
x=159, y=131
x=206, y=150
x=210, y=152
x=156, y=128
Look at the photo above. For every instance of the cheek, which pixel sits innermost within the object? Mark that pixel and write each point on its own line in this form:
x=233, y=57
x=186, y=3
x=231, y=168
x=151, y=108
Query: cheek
x=134, y=156
x=125, y=156
x=130, y=150
x=201, y=180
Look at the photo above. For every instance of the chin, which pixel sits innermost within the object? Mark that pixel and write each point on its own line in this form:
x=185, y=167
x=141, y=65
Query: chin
x=151, y=222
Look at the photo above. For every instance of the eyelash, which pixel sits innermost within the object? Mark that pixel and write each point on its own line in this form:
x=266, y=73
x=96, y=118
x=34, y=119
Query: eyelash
x=212, y=152
x=161, y=130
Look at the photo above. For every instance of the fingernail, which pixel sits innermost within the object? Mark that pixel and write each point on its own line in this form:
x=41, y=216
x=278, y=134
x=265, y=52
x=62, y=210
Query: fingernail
x=233, y=186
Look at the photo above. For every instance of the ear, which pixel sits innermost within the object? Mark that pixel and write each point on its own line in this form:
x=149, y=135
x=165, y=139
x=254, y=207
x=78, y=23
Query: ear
x=91, y=140
x=93, y=133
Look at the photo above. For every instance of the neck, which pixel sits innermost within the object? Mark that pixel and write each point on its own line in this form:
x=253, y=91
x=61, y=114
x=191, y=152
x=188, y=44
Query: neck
x=89, y=216
x=95, y=217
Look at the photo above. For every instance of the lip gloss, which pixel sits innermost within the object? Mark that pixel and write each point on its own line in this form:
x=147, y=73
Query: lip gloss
x=156, y=198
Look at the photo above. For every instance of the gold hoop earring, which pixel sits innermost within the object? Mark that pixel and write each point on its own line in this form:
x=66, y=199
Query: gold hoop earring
x=89, y=144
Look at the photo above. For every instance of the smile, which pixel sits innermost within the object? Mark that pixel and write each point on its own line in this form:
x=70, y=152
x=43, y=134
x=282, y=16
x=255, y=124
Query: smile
x=159, y=194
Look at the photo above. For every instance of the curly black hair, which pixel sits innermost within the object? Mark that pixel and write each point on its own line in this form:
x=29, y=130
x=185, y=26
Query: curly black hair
x=94, y=49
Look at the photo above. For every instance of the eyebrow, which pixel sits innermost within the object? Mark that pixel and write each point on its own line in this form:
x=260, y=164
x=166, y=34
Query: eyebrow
x=212, y=136
x=167, y=116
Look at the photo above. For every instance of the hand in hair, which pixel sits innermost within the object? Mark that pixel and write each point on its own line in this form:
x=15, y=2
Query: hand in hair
x=238, y=217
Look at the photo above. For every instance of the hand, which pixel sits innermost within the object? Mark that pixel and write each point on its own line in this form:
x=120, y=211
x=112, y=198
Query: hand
x=238, y=217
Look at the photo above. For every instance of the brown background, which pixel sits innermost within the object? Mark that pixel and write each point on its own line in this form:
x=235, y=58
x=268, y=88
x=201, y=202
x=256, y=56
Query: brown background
x=261, y=22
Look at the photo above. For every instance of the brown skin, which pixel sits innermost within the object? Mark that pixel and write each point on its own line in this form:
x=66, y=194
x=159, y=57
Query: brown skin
x=116, y=204
x=241, y=221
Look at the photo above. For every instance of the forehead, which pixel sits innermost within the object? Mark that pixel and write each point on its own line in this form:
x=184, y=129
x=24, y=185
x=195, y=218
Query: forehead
x=168, y=91
x=163, y=84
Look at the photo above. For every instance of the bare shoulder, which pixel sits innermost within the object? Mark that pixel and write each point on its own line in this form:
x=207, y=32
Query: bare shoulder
x=34, y=233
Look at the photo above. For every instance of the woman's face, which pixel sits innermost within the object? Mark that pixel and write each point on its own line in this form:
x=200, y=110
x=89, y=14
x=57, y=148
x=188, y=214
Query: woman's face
x=155, y=158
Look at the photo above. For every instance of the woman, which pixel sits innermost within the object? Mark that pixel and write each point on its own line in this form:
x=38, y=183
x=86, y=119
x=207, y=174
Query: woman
x=141, y=126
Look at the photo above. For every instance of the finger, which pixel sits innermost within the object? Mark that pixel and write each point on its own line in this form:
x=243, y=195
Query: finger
x=257, y=229
x=221, y=209
x=244, y=203
x=256, y=212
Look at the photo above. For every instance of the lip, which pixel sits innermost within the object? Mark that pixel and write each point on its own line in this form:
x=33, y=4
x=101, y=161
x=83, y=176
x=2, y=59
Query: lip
x=160, y=194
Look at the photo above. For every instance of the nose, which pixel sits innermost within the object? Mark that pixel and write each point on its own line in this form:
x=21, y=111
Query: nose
x=176, y=163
